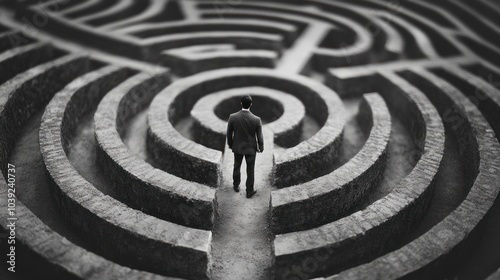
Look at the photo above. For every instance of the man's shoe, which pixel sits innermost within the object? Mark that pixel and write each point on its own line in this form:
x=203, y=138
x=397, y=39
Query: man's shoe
x=236, y=189
x=250, y=194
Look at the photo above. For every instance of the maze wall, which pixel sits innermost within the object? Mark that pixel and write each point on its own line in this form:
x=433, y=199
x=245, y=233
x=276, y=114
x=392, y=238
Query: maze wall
x=385, y=117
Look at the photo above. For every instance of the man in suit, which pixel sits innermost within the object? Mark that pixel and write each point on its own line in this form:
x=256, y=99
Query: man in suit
x=244, y=137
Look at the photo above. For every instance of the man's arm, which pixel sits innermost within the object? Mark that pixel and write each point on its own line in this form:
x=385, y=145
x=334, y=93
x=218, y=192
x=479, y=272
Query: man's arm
x=229, y=135
x=260, y=137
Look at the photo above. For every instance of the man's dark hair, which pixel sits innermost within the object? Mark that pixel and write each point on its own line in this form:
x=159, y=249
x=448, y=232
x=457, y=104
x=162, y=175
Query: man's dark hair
x=246, y=101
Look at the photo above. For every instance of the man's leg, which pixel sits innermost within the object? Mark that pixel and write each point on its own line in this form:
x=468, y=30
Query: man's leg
x=250, y=159
x=236, y=171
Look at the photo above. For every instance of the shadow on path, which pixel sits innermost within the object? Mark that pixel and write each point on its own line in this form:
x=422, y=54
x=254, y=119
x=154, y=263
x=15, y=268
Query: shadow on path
x=242, y=241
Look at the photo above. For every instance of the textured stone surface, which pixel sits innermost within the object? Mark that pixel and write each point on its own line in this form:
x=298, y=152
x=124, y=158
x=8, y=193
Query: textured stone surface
x=403, y=50
x=144, y=240
x=193, y=61
x=378, y=225
x=60, y=257
x=178, y=155
x=149, y=48
x=328, y=197
x=29, y=92
x=22, y=58
x=140, y=184
x=445, y=242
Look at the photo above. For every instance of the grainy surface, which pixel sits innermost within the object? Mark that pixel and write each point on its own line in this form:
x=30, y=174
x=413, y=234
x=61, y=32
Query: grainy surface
x=383, y=164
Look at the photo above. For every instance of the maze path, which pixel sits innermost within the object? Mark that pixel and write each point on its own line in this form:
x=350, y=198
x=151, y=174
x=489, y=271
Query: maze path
x=434, y=64
x=242, y=246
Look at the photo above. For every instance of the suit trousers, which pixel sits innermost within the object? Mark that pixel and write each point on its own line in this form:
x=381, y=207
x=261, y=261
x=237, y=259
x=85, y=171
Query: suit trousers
x=250, y=160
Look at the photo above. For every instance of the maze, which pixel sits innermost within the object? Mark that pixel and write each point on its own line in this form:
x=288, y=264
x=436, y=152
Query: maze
x=381, y=120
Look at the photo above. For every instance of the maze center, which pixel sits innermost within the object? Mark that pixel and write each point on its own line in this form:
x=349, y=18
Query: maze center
x=381, y=123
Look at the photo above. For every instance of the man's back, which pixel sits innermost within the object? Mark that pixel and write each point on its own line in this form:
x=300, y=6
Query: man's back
x=246, y=131
x=244, y=137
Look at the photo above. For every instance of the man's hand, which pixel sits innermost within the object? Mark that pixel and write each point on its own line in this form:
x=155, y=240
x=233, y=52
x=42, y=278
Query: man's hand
x=260, y=150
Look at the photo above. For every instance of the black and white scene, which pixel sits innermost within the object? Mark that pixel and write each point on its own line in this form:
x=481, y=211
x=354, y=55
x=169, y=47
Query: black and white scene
x=249, y=139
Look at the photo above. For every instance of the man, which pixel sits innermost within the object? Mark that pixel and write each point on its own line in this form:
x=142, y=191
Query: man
x=244, y=137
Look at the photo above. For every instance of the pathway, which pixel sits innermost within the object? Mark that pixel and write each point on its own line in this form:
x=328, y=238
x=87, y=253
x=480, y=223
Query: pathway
x=242, y=241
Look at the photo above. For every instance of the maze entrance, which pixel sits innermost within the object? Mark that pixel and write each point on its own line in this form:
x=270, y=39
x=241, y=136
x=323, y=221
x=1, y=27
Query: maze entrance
x=242, y=239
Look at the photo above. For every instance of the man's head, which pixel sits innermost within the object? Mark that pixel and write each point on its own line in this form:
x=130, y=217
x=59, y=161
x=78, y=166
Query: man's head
x=246, y=101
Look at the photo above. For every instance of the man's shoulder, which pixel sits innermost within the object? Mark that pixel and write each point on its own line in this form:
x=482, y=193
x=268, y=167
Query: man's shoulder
x=257, y=118
x=234, y=115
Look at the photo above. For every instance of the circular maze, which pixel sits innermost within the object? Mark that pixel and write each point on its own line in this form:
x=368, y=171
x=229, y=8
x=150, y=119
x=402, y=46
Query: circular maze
x=381, y=122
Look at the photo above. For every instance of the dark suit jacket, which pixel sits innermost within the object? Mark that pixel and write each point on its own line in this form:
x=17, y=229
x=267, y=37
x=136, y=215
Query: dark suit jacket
x=244, y=133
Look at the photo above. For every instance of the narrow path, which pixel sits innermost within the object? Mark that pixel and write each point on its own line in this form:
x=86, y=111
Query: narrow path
x=242, y=241
x=296, y=58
